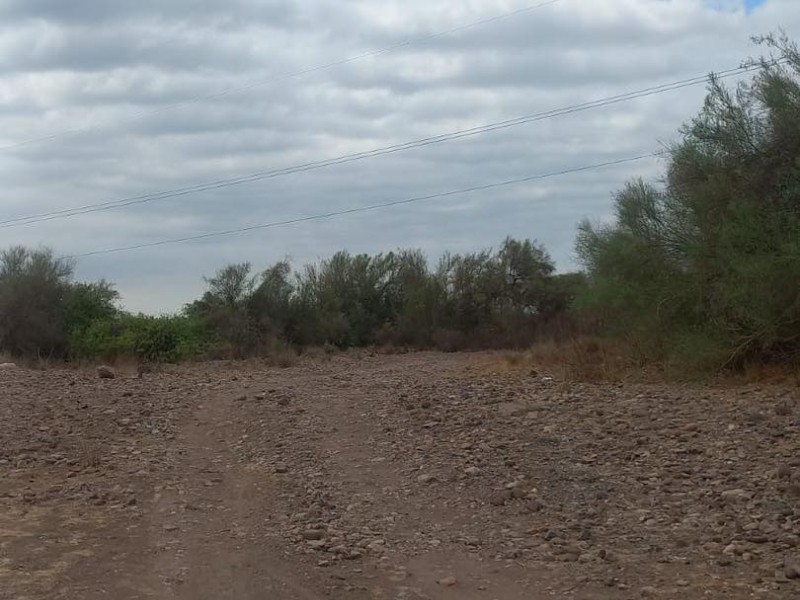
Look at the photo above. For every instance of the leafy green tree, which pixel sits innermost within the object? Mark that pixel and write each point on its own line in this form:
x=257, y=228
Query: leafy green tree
x=224, y=308
x=705, y=270
x=270, y=304
x=87, y=303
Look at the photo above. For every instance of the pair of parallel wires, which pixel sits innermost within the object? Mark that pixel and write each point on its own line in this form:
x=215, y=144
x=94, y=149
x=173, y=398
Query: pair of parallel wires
x=358, y=156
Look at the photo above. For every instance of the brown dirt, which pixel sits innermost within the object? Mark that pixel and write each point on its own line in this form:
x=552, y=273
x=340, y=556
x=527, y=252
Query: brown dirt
x=393, y=477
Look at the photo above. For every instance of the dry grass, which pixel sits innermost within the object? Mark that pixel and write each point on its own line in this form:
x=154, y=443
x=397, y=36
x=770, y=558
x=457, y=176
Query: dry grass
x=317, y=353
x=583, y=359
x=767, y=374
x=591, y=359
x=283, y=357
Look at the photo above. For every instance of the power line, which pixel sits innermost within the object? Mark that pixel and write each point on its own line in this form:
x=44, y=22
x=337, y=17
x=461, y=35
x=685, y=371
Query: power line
x=293, y=74
x=446, y=137
x=372, y=207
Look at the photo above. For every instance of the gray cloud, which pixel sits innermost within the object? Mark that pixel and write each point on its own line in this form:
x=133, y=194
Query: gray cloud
x=113, y=73
x=83, y=12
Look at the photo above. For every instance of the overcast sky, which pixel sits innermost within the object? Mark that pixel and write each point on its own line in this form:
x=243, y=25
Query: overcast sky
x=115, y=89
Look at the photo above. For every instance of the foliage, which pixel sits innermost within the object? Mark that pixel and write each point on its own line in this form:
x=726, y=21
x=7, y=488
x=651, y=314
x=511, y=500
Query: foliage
x=484, y=299
x=33, y=287
x=704, y=270
x=147, y=338
x=87, y=303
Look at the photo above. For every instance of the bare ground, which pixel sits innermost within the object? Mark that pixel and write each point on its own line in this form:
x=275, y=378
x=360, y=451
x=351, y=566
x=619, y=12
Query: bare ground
x=393, y=477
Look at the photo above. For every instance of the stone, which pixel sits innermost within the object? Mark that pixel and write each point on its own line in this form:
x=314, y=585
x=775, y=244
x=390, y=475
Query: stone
x=500, y=497
x=512, y=409
x=534, y=505
x=448, y=581
x=8, y=366
x=426, y=478
x=106, y=372
x=735, y=496
x=791, y=568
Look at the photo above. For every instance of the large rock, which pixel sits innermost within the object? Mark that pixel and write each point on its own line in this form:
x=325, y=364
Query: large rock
x=106, y=372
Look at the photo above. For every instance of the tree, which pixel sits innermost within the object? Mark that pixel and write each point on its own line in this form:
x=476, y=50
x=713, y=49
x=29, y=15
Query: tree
x=270, y=304
x=87, y=303
x=706, y=268
x=33, y=287
x=526, y=266
x=231, y=286
x=224, y=308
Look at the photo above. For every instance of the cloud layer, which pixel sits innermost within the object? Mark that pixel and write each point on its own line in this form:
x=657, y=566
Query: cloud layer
x=133, y=98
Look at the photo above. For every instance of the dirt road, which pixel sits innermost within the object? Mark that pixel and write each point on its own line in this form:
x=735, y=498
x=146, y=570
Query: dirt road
x=393, y=477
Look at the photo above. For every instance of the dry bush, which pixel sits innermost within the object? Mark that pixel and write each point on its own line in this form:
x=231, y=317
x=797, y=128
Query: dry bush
x=579, y=359
x=390, y=349
x=316, y=353
x=281, y=354
x=448, y=340
x=778, y=374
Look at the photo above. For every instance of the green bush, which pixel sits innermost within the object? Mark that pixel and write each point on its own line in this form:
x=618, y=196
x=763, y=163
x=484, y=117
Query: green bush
x=156, y=339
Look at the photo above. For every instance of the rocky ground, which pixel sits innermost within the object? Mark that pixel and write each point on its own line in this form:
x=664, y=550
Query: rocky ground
x=393, y=477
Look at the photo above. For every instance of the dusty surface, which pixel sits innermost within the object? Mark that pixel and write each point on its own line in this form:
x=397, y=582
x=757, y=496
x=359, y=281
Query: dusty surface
x=393, y=477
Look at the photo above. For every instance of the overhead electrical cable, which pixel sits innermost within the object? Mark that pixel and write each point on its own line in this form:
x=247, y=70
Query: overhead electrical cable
x=347, y=158
x=368, y=208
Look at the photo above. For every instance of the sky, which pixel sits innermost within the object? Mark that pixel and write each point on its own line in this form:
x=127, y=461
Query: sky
x=103, y=101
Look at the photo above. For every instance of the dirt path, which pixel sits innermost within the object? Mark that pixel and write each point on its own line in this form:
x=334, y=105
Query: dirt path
x=408, y=477
x=209, y=524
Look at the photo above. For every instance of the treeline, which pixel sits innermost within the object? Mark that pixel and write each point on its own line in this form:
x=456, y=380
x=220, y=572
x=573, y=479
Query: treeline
x=502, y=298
x=496, y=298
x=699, y=271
